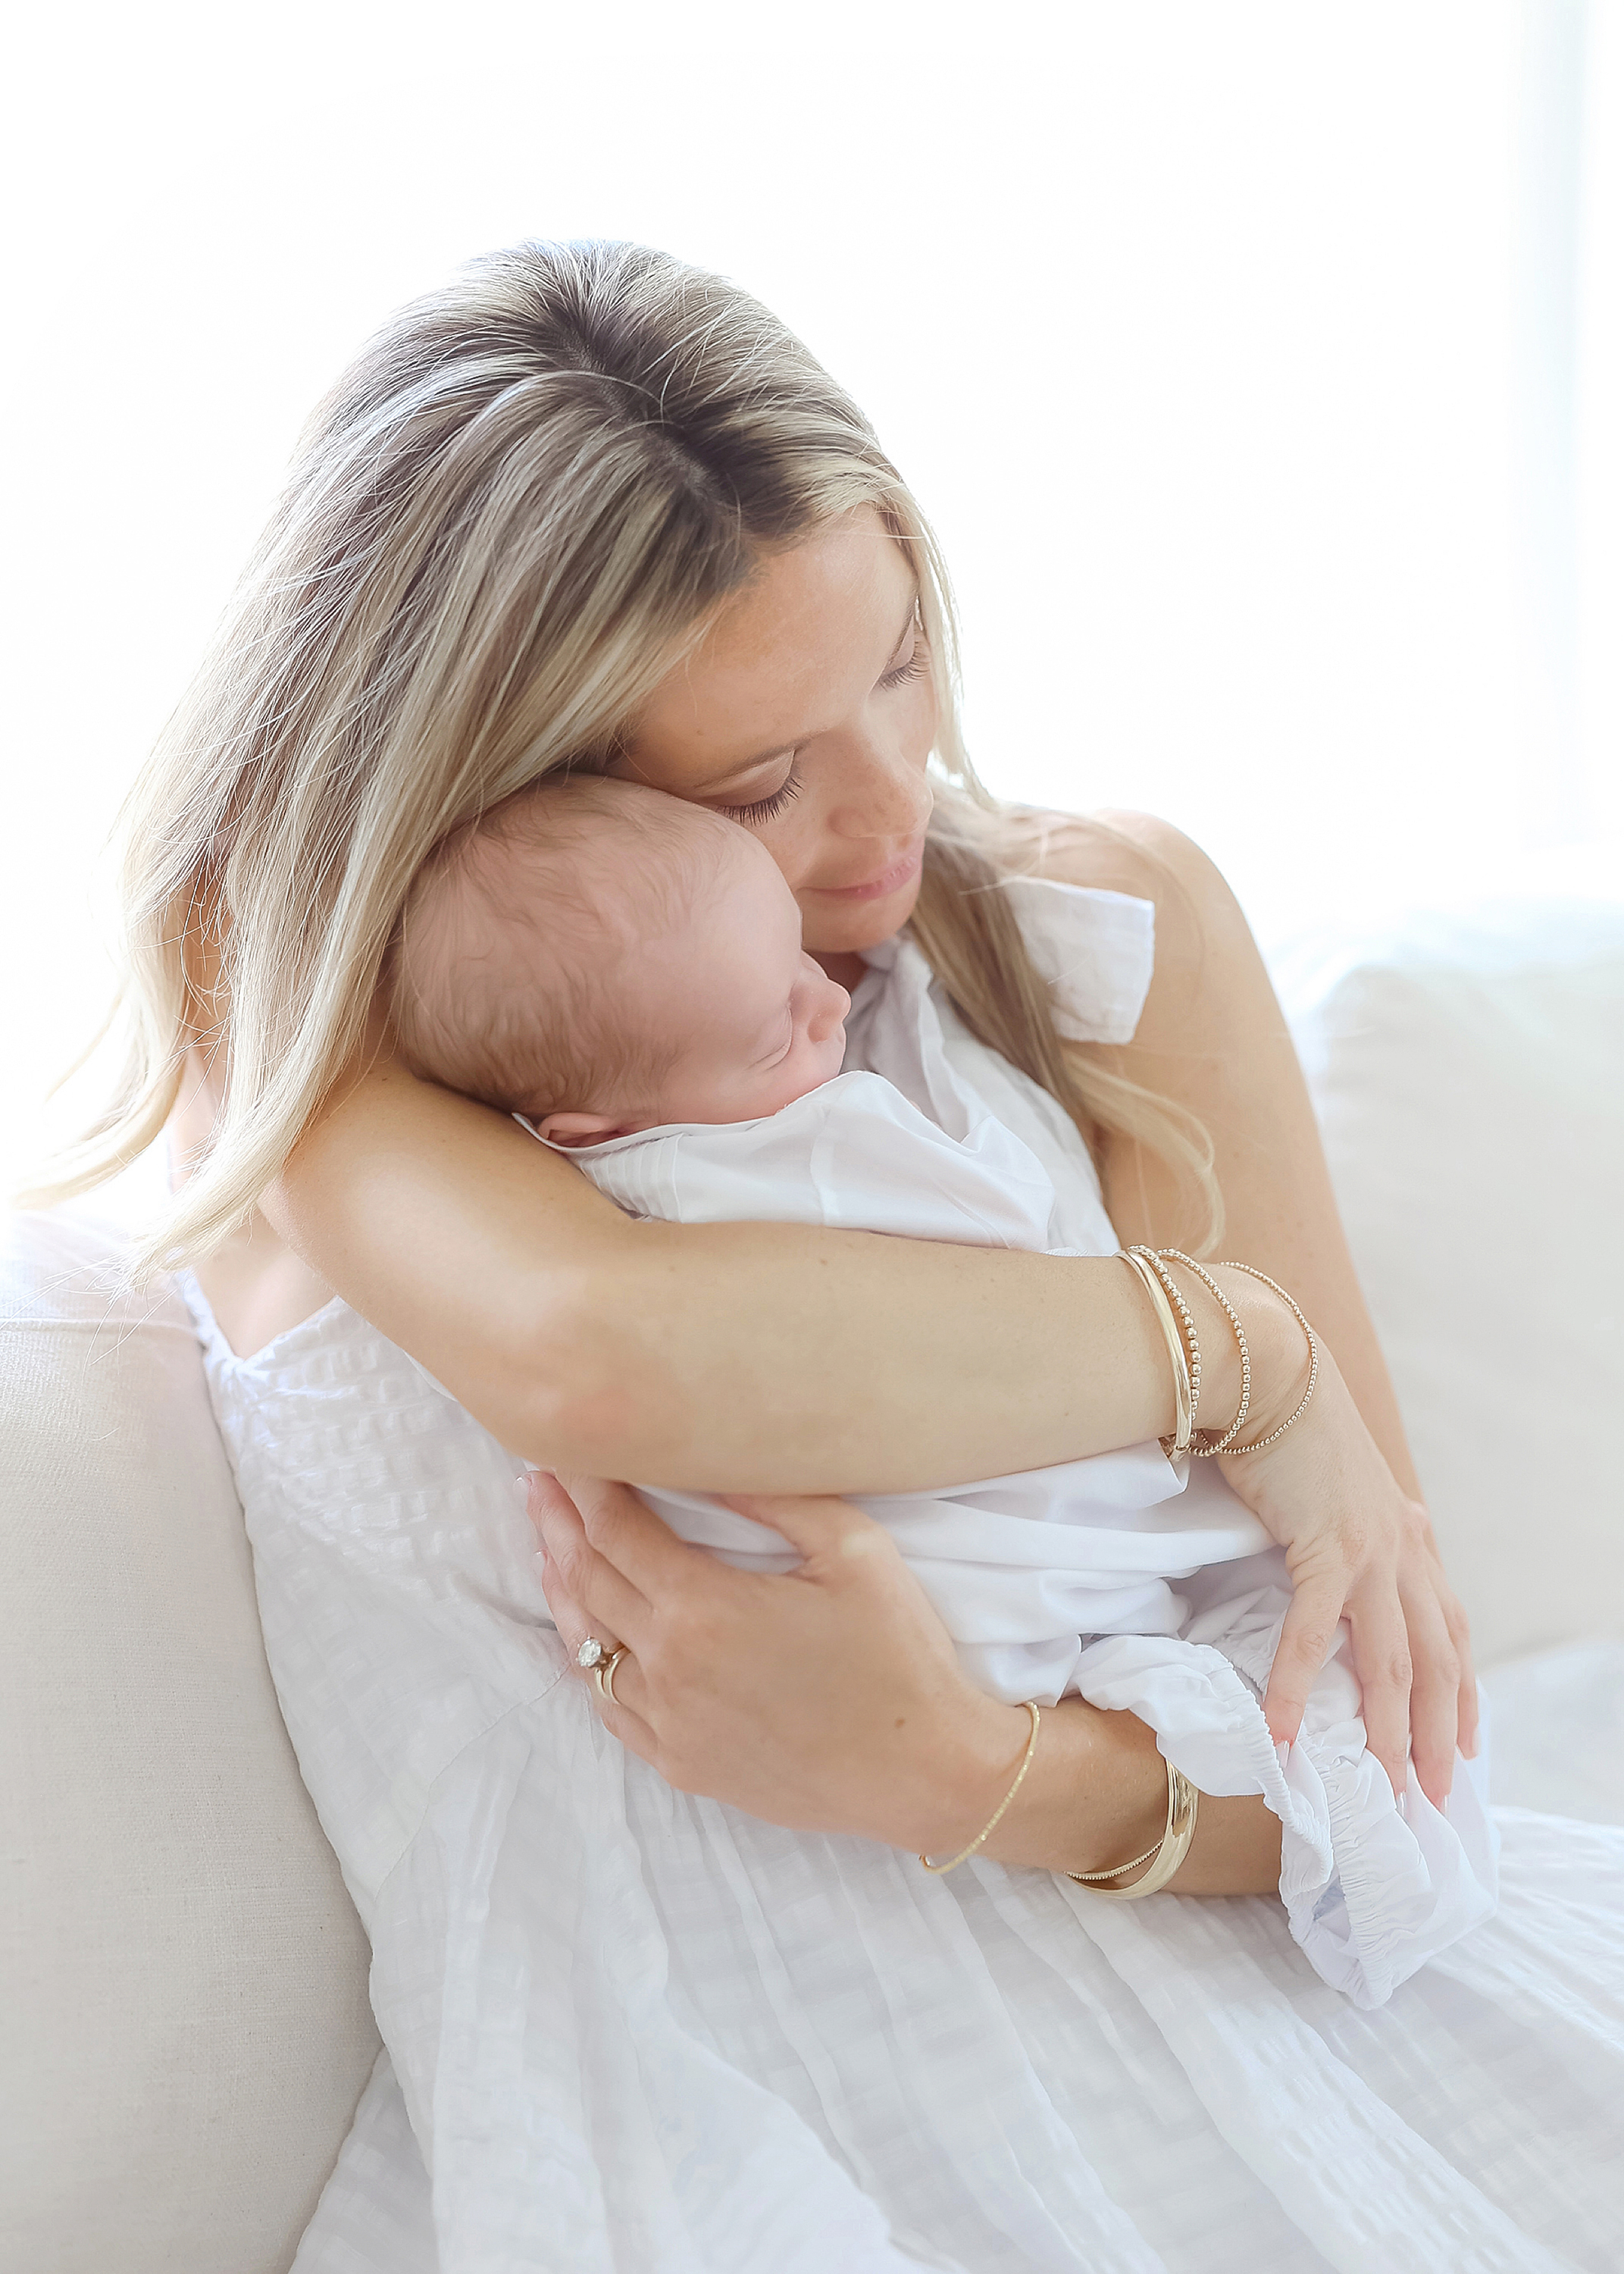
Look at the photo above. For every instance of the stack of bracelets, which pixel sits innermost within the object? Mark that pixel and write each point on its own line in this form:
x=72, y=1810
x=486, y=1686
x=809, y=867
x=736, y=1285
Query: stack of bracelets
x=1150, y=1265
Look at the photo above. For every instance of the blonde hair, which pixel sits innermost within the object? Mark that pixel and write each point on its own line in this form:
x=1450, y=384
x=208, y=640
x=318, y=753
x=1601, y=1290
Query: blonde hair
x=520, y=506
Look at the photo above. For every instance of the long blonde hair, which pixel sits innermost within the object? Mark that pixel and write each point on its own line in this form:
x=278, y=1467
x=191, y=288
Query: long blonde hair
x=520, y=506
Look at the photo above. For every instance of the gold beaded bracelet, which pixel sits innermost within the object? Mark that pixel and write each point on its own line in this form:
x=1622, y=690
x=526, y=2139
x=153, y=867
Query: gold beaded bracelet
x=1226, y=1444
x=1152, y=1263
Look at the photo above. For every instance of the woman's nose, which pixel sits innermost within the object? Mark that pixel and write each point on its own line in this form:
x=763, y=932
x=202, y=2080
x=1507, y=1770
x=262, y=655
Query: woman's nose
x=880, y=793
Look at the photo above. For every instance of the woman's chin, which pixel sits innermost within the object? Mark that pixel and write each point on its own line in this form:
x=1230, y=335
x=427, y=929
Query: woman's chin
x=859, y=925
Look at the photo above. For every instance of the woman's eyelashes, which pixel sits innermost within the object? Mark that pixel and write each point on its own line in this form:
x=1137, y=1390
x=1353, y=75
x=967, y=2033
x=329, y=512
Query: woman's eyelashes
x=766, y=809
x=761, y=809
x=917, y=663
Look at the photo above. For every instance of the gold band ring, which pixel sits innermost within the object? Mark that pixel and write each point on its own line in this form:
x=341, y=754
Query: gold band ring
x=604, y=1673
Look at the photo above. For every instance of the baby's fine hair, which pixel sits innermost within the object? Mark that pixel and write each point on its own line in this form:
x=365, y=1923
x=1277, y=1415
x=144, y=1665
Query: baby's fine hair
x=509, y=977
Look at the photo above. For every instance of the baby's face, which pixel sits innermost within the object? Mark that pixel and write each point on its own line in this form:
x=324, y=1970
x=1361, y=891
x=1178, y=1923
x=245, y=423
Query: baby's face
x=756, y=1021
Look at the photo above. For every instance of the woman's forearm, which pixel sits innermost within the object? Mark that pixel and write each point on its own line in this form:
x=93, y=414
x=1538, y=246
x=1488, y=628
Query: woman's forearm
x=729, y=1358
x=833, y=1700
x=1095, y=1796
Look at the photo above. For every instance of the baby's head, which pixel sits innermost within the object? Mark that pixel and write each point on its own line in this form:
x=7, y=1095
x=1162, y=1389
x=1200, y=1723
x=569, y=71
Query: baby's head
x=602, y=958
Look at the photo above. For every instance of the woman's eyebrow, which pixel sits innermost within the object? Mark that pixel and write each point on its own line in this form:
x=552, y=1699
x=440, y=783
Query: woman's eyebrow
x=784, y=750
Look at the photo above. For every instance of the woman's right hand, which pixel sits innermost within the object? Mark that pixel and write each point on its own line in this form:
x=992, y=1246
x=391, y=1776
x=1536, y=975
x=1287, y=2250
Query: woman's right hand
x=829, y=1699
x=1357, y=1547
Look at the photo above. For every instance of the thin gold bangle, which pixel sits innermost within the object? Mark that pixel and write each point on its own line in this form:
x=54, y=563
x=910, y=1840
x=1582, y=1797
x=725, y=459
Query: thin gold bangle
x=996, y=1819
x=1183, y=1389
x=1088, y=1878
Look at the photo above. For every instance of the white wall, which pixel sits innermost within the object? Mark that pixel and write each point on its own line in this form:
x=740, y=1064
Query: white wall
x=1201, y=331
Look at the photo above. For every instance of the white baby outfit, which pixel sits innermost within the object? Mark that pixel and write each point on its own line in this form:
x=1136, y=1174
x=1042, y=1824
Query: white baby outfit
x=630, y=2030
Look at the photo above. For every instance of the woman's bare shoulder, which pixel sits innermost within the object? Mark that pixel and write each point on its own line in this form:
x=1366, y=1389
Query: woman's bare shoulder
x=1121, y=851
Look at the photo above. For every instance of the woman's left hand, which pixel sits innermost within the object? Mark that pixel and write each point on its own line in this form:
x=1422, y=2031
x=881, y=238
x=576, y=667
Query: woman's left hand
x=843, y=1707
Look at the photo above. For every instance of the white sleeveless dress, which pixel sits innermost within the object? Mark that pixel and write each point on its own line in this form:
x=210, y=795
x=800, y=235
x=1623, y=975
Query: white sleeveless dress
x=631, y=2030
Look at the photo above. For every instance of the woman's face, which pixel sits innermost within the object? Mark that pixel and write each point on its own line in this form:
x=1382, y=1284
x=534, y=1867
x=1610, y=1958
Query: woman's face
x=807, y=715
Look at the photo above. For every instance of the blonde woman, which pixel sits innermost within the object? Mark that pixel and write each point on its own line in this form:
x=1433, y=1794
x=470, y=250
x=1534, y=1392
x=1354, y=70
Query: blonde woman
x=661, y=1981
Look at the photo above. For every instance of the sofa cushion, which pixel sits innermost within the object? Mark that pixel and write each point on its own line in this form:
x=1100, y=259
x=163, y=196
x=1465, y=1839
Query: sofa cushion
x=182, y=1974
x=1468, y=1069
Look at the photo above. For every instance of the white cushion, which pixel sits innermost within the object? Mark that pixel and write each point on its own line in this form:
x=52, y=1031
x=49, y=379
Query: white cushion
x=182, y=1978
x=1469, y=1073
x=1557, y=1731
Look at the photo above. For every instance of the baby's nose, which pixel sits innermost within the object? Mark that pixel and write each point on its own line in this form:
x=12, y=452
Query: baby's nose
x=829, y=1014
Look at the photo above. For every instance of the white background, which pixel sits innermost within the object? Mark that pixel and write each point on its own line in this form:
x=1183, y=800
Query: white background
x=1231, y=348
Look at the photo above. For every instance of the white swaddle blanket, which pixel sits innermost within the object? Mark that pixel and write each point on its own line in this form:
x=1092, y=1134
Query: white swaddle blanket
x=1139, y=1584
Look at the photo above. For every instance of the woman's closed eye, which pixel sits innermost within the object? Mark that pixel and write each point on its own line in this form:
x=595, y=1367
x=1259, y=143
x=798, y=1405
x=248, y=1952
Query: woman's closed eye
x=763, y=809
x=913, y=665
x=766, y=809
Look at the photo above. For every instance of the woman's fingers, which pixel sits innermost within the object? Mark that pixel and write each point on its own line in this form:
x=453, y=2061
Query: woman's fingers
x=1460, y=1634
x=822, y=1530
x=620, y=1714
x=1434, y=1710
x=624, y=1533
x=624, y=1713
x=1305, y=1642
x=1384, y=1663
x=1466, y=1706
x=605, y=1600
x=569, y=1617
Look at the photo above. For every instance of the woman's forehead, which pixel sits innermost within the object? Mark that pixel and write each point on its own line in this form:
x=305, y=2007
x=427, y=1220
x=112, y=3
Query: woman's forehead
x=785, y=659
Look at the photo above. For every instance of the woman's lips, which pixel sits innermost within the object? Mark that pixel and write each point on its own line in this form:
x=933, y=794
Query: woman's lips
x=900, y=872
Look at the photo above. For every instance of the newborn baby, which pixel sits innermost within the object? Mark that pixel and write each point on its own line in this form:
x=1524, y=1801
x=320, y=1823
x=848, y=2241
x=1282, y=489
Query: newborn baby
x=602, y=959
x=623, y=972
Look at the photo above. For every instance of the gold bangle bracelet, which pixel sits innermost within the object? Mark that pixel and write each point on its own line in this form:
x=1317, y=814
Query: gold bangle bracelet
x=996, y=1818
x=1182, y=1806
x=1184, y=1388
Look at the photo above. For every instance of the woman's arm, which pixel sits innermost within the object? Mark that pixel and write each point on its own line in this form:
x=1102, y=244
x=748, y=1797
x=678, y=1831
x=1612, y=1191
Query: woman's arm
x=715, y=1356
x=1213, y=1038
x=832, y=1700
x=705, y=1356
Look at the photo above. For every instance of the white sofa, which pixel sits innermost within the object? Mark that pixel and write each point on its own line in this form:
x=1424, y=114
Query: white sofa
x=183, y=1978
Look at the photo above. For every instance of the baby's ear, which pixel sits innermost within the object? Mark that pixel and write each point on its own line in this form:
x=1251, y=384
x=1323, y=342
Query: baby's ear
x=579, y=1128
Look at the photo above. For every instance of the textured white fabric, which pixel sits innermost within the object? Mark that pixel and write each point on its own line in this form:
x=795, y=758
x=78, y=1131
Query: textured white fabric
x=1029, y=1572
x=183, y=2021
x=635, y=2029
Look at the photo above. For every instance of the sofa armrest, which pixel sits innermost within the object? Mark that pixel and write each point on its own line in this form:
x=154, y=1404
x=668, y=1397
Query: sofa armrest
x=183, y=1976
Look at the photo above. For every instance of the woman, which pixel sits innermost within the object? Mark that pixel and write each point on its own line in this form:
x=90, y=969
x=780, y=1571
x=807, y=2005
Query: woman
x=590, y=508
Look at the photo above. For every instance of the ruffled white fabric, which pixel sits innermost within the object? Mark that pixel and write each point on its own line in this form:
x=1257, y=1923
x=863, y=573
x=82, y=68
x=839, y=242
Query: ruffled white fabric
x=629, y=2029
x=1028, y=1573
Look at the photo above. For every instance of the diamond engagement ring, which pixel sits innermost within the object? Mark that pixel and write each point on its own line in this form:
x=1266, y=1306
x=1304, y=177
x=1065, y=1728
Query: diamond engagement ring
x=603, y=1675
x=590, y=1653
